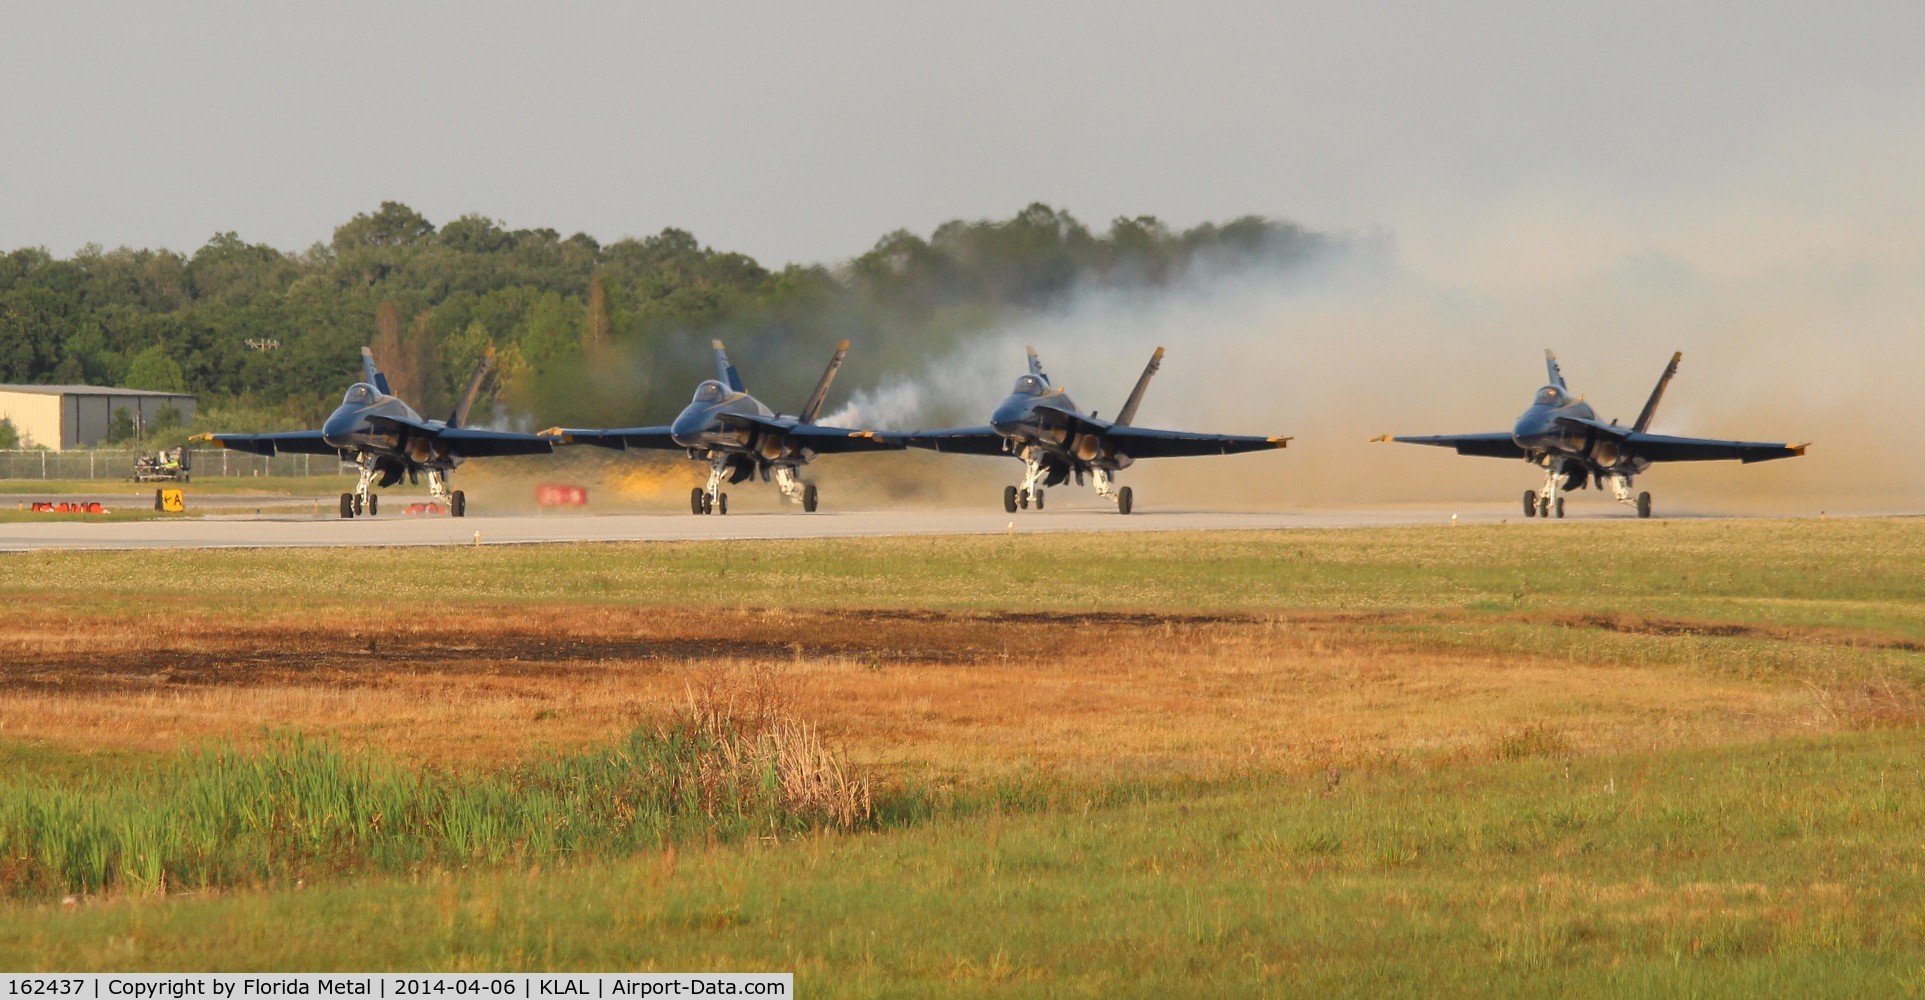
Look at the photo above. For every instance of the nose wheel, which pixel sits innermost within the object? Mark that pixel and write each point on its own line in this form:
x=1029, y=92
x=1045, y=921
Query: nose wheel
x=699, y=502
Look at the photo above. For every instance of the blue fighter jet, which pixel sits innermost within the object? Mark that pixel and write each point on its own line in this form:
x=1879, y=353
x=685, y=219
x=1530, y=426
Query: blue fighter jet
x=740, y=437
x=389, y=440
x=1056, y=441
x=1561, y=433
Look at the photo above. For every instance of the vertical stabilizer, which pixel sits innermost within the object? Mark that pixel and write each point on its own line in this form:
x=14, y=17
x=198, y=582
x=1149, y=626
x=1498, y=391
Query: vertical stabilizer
x=723, y=370
x=1036, y=365
x=475, y=382
x=814, y=405
x=1556, y=373
x=1651, y=405
x=371, y=373
x=1128, y=413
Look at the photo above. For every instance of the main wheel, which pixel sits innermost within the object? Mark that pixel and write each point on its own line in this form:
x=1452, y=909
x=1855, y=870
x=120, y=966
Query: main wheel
x=1124, y=500
x=808, y=498
x=374, y=504
x=1009, y=499
x=347, y=505
x=1530, y=503
x=1022, y=499
x=695, y=500
x=708, y=504
x=1560, y=506
x=360, y=505
x=1644, y=505
x=721, y=503
x=458, y=504
x=1039, y=499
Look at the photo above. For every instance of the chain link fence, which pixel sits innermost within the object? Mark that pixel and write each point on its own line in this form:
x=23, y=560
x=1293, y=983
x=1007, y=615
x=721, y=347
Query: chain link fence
x=119, y=464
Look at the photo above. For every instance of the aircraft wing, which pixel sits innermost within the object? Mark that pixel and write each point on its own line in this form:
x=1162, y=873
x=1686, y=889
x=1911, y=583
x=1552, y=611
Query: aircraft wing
x=1494, y=445
x=820, y=439
x=472, y=442
x=1142, y=442
x=282, y=443
x=619, y=438
x=1661, y=448
x=958, y=440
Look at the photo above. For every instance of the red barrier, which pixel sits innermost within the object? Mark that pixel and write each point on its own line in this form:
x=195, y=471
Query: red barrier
x=559, y=495
x=63, y=507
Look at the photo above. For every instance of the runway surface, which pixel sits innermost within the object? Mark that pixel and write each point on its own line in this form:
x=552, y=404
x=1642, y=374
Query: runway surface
x=400, y=529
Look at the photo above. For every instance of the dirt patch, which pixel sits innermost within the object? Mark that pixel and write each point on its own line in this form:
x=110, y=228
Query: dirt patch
x=80, y=655
x=1670, y=627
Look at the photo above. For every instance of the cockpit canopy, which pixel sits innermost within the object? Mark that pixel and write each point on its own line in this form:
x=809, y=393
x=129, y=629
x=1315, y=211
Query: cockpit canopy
x=1553, y=397
x=710, y=392
x=1029, y=385
x=360, y=394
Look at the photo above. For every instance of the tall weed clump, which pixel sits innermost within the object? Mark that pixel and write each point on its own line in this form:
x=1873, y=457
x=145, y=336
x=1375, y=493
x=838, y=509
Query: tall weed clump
x=299, y=808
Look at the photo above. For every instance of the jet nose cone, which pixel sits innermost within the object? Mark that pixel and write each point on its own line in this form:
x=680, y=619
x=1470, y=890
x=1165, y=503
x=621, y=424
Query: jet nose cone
x=1008, y=417
x=688, y=428
x=1530, y=427
x=338, y=429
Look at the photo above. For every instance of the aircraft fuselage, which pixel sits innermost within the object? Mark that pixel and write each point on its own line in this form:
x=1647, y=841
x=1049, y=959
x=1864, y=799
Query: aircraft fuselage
x=1552, y=429
x=352, y=427
x=1032, y=420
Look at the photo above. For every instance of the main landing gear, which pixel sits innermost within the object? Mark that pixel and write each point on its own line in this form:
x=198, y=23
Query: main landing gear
x=1621, y=491
x=794, y=488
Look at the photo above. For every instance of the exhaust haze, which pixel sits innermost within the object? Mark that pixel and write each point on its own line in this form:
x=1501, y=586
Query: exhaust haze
x=1792, y=281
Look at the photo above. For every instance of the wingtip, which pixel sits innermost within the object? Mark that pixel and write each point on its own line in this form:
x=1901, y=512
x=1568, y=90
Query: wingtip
x=716, y=343
x=1380, y=439
x=1281, y=442
x=842, y=346
x=1799, y=448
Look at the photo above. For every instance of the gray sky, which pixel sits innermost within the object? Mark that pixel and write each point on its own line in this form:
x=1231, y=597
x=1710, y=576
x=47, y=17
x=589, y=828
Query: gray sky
x=804, y=131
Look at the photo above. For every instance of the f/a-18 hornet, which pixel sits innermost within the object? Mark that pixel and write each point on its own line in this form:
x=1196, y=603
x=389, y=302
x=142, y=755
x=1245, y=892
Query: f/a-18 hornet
x=1056, y=441
x=740, y=438
x=389, y=440
x=1561, y=433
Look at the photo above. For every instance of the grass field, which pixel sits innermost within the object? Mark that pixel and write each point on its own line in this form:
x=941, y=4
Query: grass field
x=1672, y=757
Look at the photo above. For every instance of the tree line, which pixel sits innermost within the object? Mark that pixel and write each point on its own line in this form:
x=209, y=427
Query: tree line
x=582, y=332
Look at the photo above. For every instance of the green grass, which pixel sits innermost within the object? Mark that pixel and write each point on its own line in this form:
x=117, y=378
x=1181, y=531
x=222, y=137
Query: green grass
x=1522, y=869
x=300, y=810
x=1861, y=573
x=1789, y=869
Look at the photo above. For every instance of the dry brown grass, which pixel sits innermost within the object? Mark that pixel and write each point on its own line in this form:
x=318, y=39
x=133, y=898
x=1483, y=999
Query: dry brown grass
x=963, y=694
